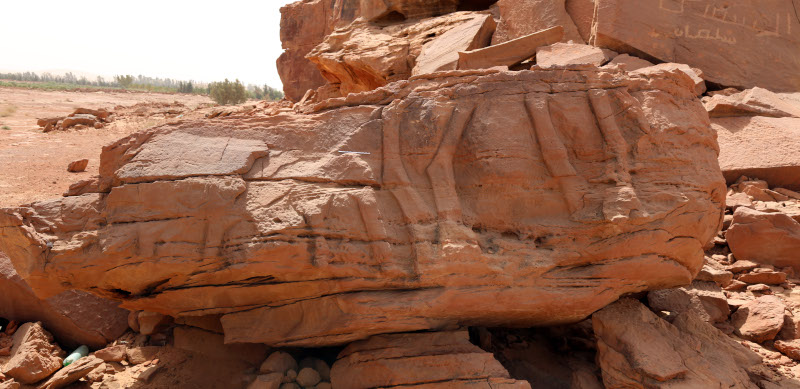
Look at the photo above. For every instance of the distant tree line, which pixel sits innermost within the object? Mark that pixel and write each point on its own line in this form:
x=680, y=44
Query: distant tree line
x=230, y=92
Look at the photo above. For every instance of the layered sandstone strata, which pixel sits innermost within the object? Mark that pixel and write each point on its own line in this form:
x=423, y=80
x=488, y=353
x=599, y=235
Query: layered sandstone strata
x=470, y=197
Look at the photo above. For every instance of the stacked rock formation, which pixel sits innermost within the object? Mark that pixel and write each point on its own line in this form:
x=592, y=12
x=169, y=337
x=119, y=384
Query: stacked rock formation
x=452, y=164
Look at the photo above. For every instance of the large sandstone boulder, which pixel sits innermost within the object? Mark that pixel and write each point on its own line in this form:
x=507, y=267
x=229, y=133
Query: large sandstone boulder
x=771, y=238
x=758, y=136
x=74, y=317
x=726, y=40
x=637, y=349
x=402, y=360
x=449, y=199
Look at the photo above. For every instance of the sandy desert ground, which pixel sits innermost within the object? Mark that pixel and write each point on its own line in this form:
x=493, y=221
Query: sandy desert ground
x=33, y=164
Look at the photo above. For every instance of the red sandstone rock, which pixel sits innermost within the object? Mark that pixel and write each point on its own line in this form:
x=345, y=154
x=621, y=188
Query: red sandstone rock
x=213, y=345
x=523, y=17
x=760, y=319
x=412, y=207
x=78, y=166
x=111, y=354
x=748, y=148
x=630, y=63
x=82, y=119
x=73, y=317
x=790, y=348
x=402, y=360
x=718, y=38
x=636, y=349
x=442, y=52
x=768, y=277
x=34, y=356
x=769, y=238
x=703, y=298
x=278, y=362
x=510, y=52
x=582, y=13
x=699, y=84
x=72, y=373
x=366, y=56
x=152, y=322
x=752, y=102
x=566, y=54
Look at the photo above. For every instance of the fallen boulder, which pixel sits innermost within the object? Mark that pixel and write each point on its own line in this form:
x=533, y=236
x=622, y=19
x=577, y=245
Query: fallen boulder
x=402, y=360
x=749, y=147
x=510, y=52
x=752, y=102
x=760, y=319
x=568, y=54
x=72, y=373
x=442, y=53
x=34, y=356
x=769, y=238
x=449, y=177
x=78, y=166
x=635, y=349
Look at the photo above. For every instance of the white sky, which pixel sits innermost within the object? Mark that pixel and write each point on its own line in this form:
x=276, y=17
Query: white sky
x=199, y=40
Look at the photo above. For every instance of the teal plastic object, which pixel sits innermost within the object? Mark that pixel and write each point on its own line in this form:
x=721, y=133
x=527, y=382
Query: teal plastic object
x=79, y=353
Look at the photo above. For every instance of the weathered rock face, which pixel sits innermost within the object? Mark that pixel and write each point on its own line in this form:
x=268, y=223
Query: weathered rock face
x=402, y=360
x=718, y=37
x=751, y=125
x=451, y=199
x=364, y=56
x=74, y=317
x=522, y=17
x=637, y=349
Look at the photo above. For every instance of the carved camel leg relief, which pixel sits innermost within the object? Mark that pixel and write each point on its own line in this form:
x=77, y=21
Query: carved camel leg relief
x=622, y=199
x=555, y=153
x=442, y=175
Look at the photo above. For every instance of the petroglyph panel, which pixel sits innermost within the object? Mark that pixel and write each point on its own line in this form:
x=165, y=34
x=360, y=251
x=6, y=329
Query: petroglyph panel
x=728, y=40
x=470, y=198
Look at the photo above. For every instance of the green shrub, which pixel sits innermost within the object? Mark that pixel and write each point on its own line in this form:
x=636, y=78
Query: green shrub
x=227, y=92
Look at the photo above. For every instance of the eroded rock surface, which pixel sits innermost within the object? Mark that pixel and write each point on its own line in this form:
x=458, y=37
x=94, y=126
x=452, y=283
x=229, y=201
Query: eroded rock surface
x=449, y=199
x=74, y=317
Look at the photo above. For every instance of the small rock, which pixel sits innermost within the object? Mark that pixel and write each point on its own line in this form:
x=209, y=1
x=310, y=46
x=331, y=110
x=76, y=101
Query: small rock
x=111, y=354
x=291, y=376
x=267, y=381
x=278, y=362
x=764, y=277
x=139, y=355
x=324, y=385
x=308, y=377
x=72, y=373
x=319, y=365
x=290, y=385
x=791, y=328
x=742, y=266
x=759, y=288
x=147, y=374
x=790, y=348
x=78, y=166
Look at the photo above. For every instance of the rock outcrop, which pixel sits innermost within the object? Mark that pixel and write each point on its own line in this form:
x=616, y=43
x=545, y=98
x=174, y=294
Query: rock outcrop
x=449, y=199
x=74, y=317
x=716, y=37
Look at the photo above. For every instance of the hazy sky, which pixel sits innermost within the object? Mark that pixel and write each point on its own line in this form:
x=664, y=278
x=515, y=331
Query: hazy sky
x=198, y=40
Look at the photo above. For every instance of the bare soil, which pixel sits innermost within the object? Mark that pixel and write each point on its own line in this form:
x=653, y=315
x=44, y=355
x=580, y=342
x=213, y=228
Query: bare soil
x=33, y=164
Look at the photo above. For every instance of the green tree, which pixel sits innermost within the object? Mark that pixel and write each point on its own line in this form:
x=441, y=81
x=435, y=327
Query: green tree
x=124, y=81
x=228, y=92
